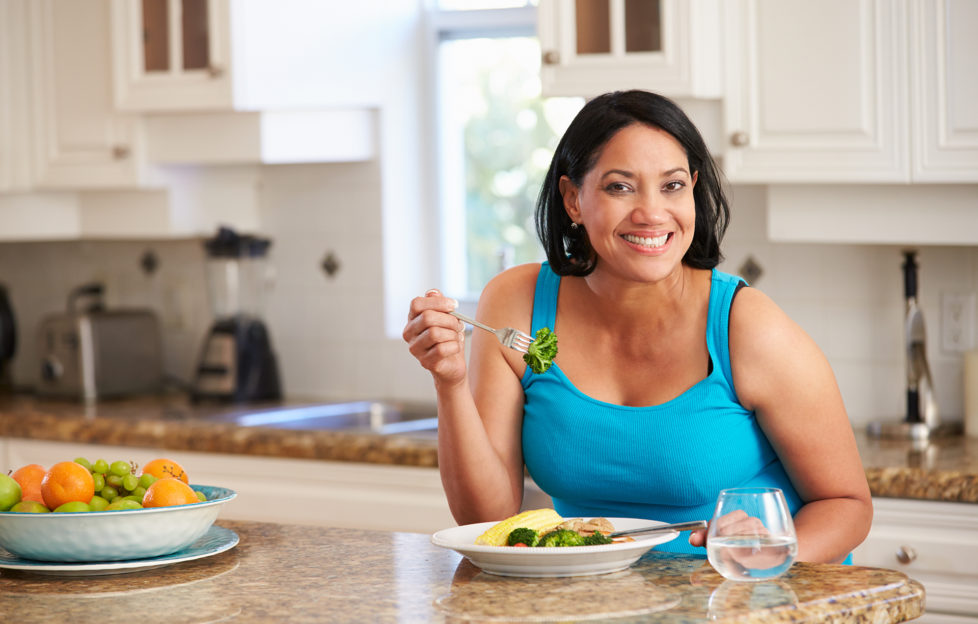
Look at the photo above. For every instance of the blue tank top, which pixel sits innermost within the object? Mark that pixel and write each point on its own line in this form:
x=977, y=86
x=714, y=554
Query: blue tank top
x=664, y=462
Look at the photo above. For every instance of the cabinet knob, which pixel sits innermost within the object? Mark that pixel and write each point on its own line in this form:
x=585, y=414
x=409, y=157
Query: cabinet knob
x=215, y=71
x=551, y=57
x=905, y=554
x=739, y=139
x=120, y=152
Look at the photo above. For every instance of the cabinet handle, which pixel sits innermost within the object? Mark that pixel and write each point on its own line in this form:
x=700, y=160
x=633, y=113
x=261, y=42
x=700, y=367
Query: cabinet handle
x=905, y=554
x=551, y=57
x=215, y=71
x=120, y=152
x=739, y=139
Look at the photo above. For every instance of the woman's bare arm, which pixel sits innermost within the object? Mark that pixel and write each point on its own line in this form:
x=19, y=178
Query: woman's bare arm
x=782, y=375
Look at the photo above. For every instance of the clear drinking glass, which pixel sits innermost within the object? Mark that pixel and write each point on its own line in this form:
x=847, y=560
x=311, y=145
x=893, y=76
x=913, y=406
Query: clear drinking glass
x=751, y=535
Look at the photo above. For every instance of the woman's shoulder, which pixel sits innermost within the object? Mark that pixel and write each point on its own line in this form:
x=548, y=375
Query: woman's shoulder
x=508, y=296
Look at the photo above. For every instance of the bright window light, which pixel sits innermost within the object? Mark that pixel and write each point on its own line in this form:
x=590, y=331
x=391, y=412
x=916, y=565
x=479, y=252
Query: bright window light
x=497, y=136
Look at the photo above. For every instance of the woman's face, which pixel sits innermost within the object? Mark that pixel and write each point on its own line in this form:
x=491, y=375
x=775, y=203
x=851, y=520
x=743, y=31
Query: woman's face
x=636, y=203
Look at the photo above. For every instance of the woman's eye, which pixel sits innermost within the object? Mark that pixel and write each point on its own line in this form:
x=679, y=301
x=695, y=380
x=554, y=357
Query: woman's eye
x=617, y=187
x=675, y=185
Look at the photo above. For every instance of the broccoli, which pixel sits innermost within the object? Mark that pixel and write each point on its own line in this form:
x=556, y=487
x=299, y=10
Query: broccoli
x=562, y=537
x=523, y=535
x=596, y=539
x=542, y=350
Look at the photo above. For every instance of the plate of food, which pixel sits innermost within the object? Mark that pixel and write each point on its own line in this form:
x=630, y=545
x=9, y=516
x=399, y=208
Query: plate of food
x=558, y=546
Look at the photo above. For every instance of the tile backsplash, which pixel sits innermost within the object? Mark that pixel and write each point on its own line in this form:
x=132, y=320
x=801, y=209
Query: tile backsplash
x=328, y=329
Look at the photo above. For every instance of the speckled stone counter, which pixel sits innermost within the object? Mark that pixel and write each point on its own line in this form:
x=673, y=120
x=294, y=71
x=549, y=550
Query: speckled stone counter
x=287, y=573
x=175, y=423
x=945, y=470
x=939, y=469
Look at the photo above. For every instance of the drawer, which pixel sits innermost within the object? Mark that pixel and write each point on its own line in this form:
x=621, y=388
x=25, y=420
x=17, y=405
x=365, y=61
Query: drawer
x=933, y=542
x=922, y=536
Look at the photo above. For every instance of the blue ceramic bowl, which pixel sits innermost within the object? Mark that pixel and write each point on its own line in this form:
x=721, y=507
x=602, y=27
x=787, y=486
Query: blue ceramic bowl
x=111, y=535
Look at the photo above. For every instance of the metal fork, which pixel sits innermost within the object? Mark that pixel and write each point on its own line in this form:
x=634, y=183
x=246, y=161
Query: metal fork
x=509, y=336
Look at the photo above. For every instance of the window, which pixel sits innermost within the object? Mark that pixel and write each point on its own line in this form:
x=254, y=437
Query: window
x=496, y=136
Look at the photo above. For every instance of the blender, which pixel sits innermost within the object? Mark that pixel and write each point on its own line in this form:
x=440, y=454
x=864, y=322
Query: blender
x=237, y=363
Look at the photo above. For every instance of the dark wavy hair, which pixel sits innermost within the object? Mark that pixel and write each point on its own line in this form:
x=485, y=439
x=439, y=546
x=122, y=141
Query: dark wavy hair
x=568, y=249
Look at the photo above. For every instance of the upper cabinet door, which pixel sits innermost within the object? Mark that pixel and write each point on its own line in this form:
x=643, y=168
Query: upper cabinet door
x=944, y=65
x=80, y=141
x=591, y=47
x=816, y=91
x=172, y=54
x=15, y=109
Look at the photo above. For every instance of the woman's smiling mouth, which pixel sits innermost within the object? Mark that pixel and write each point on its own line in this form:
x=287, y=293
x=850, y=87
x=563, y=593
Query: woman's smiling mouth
x=652, y=242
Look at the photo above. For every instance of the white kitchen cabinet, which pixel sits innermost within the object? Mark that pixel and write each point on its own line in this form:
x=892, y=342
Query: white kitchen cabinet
x=591, y=47
x=824, y=92
x=246, y=55
x=933, y=542
x=14, y=99
x=172, y=54
x=816, y=91
x=79, y=140
x=272, y=489
x=944, y=74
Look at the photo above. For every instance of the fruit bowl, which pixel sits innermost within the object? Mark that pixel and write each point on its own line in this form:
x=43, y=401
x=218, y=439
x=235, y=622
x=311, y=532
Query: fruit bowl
x=111, y=535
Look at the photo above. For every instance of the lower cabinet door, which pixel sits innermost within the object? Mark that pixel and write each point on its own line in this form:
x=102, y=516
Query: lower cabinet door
x=935, y=543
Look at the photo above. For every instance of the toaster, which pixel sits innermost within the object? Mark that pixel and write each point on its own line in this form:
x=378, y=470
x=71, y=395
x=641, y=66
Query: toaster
x=100, y=353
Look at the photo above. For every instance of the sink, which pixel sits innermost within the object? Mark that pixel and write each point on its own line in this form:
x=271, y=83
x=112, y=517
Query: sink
x=386, y=418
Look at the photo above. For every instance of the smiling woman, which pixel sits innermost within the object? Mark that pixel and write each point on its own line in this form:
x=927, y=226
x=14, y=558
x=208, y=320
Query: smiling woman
x=674, y=380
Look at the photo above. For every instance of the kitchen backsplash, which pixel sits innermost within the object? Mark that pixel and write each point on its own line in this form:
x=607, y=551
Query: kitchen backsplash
x=328, y=329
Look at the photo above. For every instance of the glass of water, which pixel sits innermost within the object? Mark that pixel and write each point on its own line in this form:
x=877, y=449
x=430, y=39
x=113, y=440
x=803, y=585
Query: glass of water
x=751, y=535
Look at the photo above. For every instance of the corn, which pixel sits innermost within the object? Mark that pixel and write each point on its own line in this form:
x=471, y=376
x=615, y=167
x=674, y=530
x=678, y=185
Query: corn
x=540, y=520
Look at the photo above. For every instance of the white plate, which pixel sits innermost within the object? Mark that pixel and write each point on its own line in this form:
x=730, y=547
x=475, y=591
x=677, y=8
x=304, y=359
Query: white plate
x=215, y=540
x=545, y=562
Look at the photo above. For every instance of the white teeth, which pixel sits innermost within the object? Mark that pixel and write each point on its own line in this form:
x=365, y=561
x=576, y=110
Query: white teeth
x=657, y=241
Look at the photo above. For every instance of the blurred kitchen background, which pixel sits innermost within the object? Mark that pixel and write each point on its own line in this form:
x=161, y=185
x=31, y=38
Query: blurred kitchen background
x=390, y=146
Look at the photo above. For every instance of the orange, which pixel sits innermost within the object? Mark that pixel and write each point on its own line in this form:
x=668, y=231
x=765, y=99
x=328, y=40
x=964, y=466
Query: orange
x=169, y=491
x=67, y=482
x=162, y=468
x=29, y=477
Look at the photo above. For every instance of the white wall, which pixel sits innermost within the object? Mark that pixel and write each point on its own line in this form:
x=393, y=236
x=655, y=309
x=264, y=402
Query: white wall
x=329, y=331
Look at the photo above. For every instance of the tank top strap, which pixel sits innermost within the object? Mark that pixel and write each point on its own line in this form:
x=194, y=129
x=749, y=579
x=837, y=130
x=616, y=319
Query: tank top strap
x=722, y=290
x=545, y=299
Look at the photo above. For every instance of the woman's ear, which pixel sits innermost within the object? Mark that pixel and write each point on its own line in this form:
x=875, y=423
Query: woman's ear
x=569, y=193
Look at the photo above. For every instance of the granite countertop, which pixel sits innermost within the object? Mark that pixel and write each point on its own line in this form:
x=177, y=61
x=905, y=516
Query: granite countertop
x=940, y=469
x=292, y=573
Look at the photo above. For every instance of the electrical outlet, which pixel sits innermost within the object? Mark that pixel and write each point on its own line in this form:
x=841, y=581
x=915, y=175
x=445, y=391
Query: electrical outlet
x=958, y=321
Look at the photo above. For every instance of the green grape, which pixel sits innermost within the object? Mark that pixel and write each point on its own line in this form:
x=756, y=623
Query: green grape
x=140, y=491
x=109, y=493
x=84, y=462
x=98, y=503
x=136, y=499
x=114, y=480
x=146, y=480
x=121, y=468
x=99, y=480
x=130, y=482
x=201, y=496
x=100, y=466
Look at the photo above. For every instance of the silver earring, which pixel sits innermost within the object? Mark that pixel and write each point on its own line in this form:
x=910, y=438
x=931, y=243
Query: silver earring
x=574, y=225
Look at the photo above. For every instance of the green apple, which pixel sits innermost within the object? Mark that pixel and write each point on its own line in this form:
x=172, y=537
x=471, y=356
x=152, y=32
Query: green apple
x=73, y=507
x=29, y=506
x=9, y=492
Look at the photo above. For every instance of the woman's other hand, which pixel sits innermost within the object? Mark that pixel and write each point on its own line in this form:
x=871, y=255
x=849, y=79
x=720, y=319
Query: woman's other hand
x=436, y=338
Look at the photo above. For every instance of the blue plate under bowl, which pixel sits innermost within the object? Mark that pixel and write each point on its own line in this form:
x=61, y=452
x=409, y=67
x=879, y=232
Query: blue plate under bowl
x=111, y=535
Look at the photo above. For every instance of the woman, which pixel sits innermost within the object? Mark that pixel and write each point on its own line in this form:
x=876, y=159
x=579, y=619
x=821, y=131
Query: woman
x=671, y=381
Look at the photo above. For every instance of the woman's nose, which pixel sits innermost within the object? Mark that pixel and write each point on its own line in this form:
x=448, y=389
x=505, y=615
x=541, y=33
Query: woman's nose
x=648, y=209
